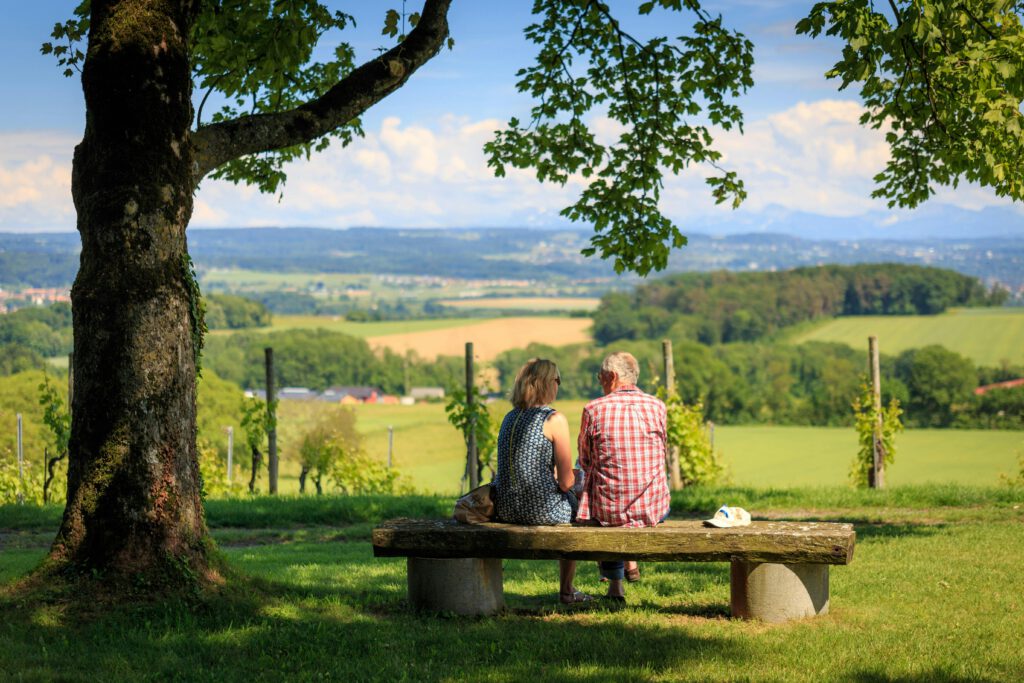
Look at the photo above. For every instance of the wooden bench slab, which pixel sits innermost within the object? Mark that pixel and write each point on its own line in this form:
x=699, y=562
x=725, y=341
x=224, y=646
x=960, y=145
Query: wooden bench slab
x=681, y=541
x=779, y=570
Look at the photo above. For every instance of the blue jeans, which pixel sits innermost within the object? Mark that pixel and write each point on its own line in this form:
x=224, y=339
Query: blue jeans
x=615, y=570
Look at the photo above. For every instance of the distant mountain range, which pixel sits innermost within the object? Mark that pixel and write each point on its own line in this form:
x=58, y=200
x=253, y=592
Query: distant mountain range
x=930, y=221
x=51, y=259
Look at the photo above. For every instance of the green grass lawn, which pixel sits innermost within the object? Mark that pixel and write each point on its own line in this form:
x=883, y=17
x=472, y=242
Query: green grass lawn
x=431, y=454
x=985, y=335
x=934, y=594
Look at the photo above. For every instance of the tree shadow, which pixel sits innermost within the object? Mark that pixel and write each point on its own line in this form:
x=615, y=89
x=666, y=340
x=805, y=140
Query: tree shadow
x=934, y=676
x=872, y=531
x=357, y=628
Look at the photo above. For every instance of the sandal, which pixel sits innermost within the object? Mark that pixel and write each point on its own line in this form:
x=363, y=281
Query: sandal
x=574, y=597
x=633, y=575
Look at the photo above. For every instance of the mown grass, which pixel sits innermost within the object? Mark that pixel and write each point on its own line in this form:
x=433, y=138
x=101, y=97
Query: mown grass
x=930, y=596
x=987, y=336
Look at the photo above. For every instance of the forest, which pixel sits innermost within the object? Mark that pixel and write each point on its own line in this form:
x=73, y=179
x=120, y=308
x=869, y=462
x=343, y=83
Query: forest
x=727, y=306
x=805, y=384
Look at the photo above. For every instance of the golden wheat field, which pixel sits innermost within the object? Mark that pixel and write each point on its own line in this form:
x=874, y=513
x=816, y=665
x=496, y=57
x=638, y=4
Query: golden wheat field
x=489, y=337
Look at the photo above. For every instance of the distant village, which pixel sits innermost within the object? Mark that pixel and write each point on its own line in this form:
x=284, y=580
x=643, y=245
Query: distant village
x=353, y=395
x=11, y=300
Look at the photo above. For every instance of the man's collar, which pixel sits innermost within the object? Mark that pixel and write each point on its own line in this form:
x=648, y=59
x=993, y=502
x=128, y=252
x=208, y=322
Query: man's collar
x=626, y=387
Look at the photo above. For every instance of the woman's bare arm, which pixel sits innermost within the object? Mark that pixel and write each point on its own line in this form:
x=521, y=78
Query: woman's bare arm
x=556, y=429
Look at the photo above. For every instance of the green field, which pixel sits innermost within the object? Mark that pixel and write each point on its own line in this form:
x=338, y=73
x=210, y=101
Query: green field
x=431, y=454
x=988, y=336
x=359, y=329
x=369, y=288
x=934, y=594
x=526, y=303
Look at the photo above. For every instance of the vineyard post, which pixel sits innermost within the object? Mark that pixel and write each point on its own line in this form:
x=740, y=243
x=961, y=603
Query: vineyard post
x=471, y=463
x=272, y=427
x=675, y=476
x=876, y=477
x=21, y=465
x=391, y=443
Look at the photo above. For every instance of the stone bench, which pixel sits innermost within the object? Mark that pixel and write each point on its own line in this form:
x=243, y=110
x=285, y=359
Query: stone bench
x=779, y=569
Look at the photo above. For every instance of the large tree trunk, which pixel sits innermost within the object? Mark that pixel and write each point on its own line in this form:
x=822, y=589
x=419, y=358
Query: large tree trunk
x=133, y=480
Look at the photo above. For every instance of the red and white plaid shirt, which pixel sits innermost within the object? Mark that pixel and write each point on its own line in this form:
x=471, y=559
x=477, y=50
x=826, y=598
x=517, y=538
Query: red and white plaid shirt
x=622, y=450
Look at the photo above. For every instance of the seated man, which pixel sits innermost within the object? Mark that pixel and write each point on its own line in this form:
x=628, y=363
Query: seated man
x=622, y=451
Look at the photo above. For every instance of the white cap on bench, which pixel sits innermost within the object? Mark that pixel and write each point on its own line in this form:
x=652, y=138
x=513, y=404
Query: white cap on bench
x=727, y=517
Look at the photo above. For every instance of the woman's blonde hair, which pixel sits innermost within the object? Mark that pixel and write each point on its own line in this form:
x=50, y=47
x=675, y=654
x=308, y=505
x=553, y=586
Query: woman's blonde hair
x=536, y=384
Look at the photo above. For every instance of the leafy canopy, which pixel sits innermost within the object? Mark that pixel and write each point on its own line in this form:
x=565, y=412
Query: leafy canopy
x=252, y=57
x=944, y=80
x=662, y=95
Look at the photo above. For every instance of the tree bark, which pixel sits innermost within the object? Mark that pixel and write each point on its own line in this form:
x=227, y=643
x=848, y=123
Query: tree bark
x=134, y=503
x=133, y=478
x=257, y=457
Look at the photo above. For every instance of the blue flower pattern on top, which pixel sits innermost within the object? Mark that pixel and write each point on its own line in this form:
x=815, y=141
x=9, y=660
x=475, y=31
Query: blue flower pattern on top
x=525, y=490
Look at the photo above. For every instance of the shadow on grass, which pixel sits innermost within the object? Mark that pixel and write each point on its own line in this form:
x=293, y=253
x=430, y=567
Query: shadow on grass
x=869, y=531
x=934, y=676
x=322, y=611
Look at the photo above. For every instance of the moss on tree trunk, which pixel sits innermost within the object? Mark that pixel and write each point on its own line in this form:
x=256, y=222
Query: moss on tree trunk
x=134, y=504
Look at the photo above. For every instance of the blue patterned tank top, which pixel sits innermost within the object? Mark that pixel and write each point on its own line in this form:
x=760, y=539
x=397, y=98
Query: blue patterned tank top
x=525, y=490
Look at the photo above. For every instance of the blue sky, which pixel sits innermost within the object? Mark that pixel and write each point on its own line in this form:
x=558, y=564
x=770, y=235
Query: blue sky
x=807, y=163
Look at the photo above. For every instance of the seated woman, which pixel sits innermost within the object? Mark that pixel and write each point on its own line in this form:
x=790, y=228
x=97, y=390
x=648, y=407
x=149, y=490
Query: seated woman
x=535, y=476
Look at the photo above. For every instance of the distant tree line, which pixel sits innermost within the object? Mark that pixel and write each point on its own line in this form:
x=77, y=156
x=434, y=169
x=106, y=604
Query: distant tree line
x=726, y=306
x=233, y=312
x=43, y=266
x=302, y=303
x=805, y=384
x=29, y=336
x=317, y=359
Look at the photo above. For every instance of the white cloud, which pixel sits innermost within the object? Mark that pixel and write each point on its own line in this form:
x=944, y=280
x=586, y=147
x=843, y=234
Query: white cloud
x=814, y=158
x=811, y=158
x=406, y=175
x=35, y=181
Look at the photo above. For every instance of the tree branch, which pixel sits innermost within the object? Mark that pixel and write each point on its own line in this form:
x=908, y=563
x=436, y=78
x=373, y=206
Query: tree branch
x=222, y=142
x=966, y=10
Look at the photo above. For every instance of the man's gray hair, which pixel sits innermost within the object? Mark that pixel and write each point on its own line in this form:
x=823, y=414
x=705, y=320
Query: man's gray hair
x=624, y=365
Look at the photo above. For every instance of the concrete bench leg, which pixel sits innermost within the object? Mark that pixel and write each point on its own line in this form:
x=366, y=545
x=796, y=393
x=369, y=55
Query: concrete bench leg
x=778, y=592
x=469, y=586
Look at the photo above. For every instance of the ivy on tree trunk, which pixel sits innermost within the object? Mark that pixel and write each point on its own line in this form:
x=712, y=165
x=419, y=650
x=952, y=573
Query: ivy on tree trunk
x=133, y=478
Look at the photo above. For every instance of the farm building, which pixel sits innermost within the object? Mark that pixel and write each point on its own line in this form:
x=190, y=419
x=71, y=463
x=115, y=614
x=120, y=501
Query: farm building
x=427, y=393
x=351, y=395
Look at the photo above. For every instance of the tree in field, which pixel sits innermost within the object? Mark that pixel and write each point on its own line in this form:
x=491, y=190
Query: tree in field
x=58, y=423
x=948, y=98
x=325, y=445
x=257, y=421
